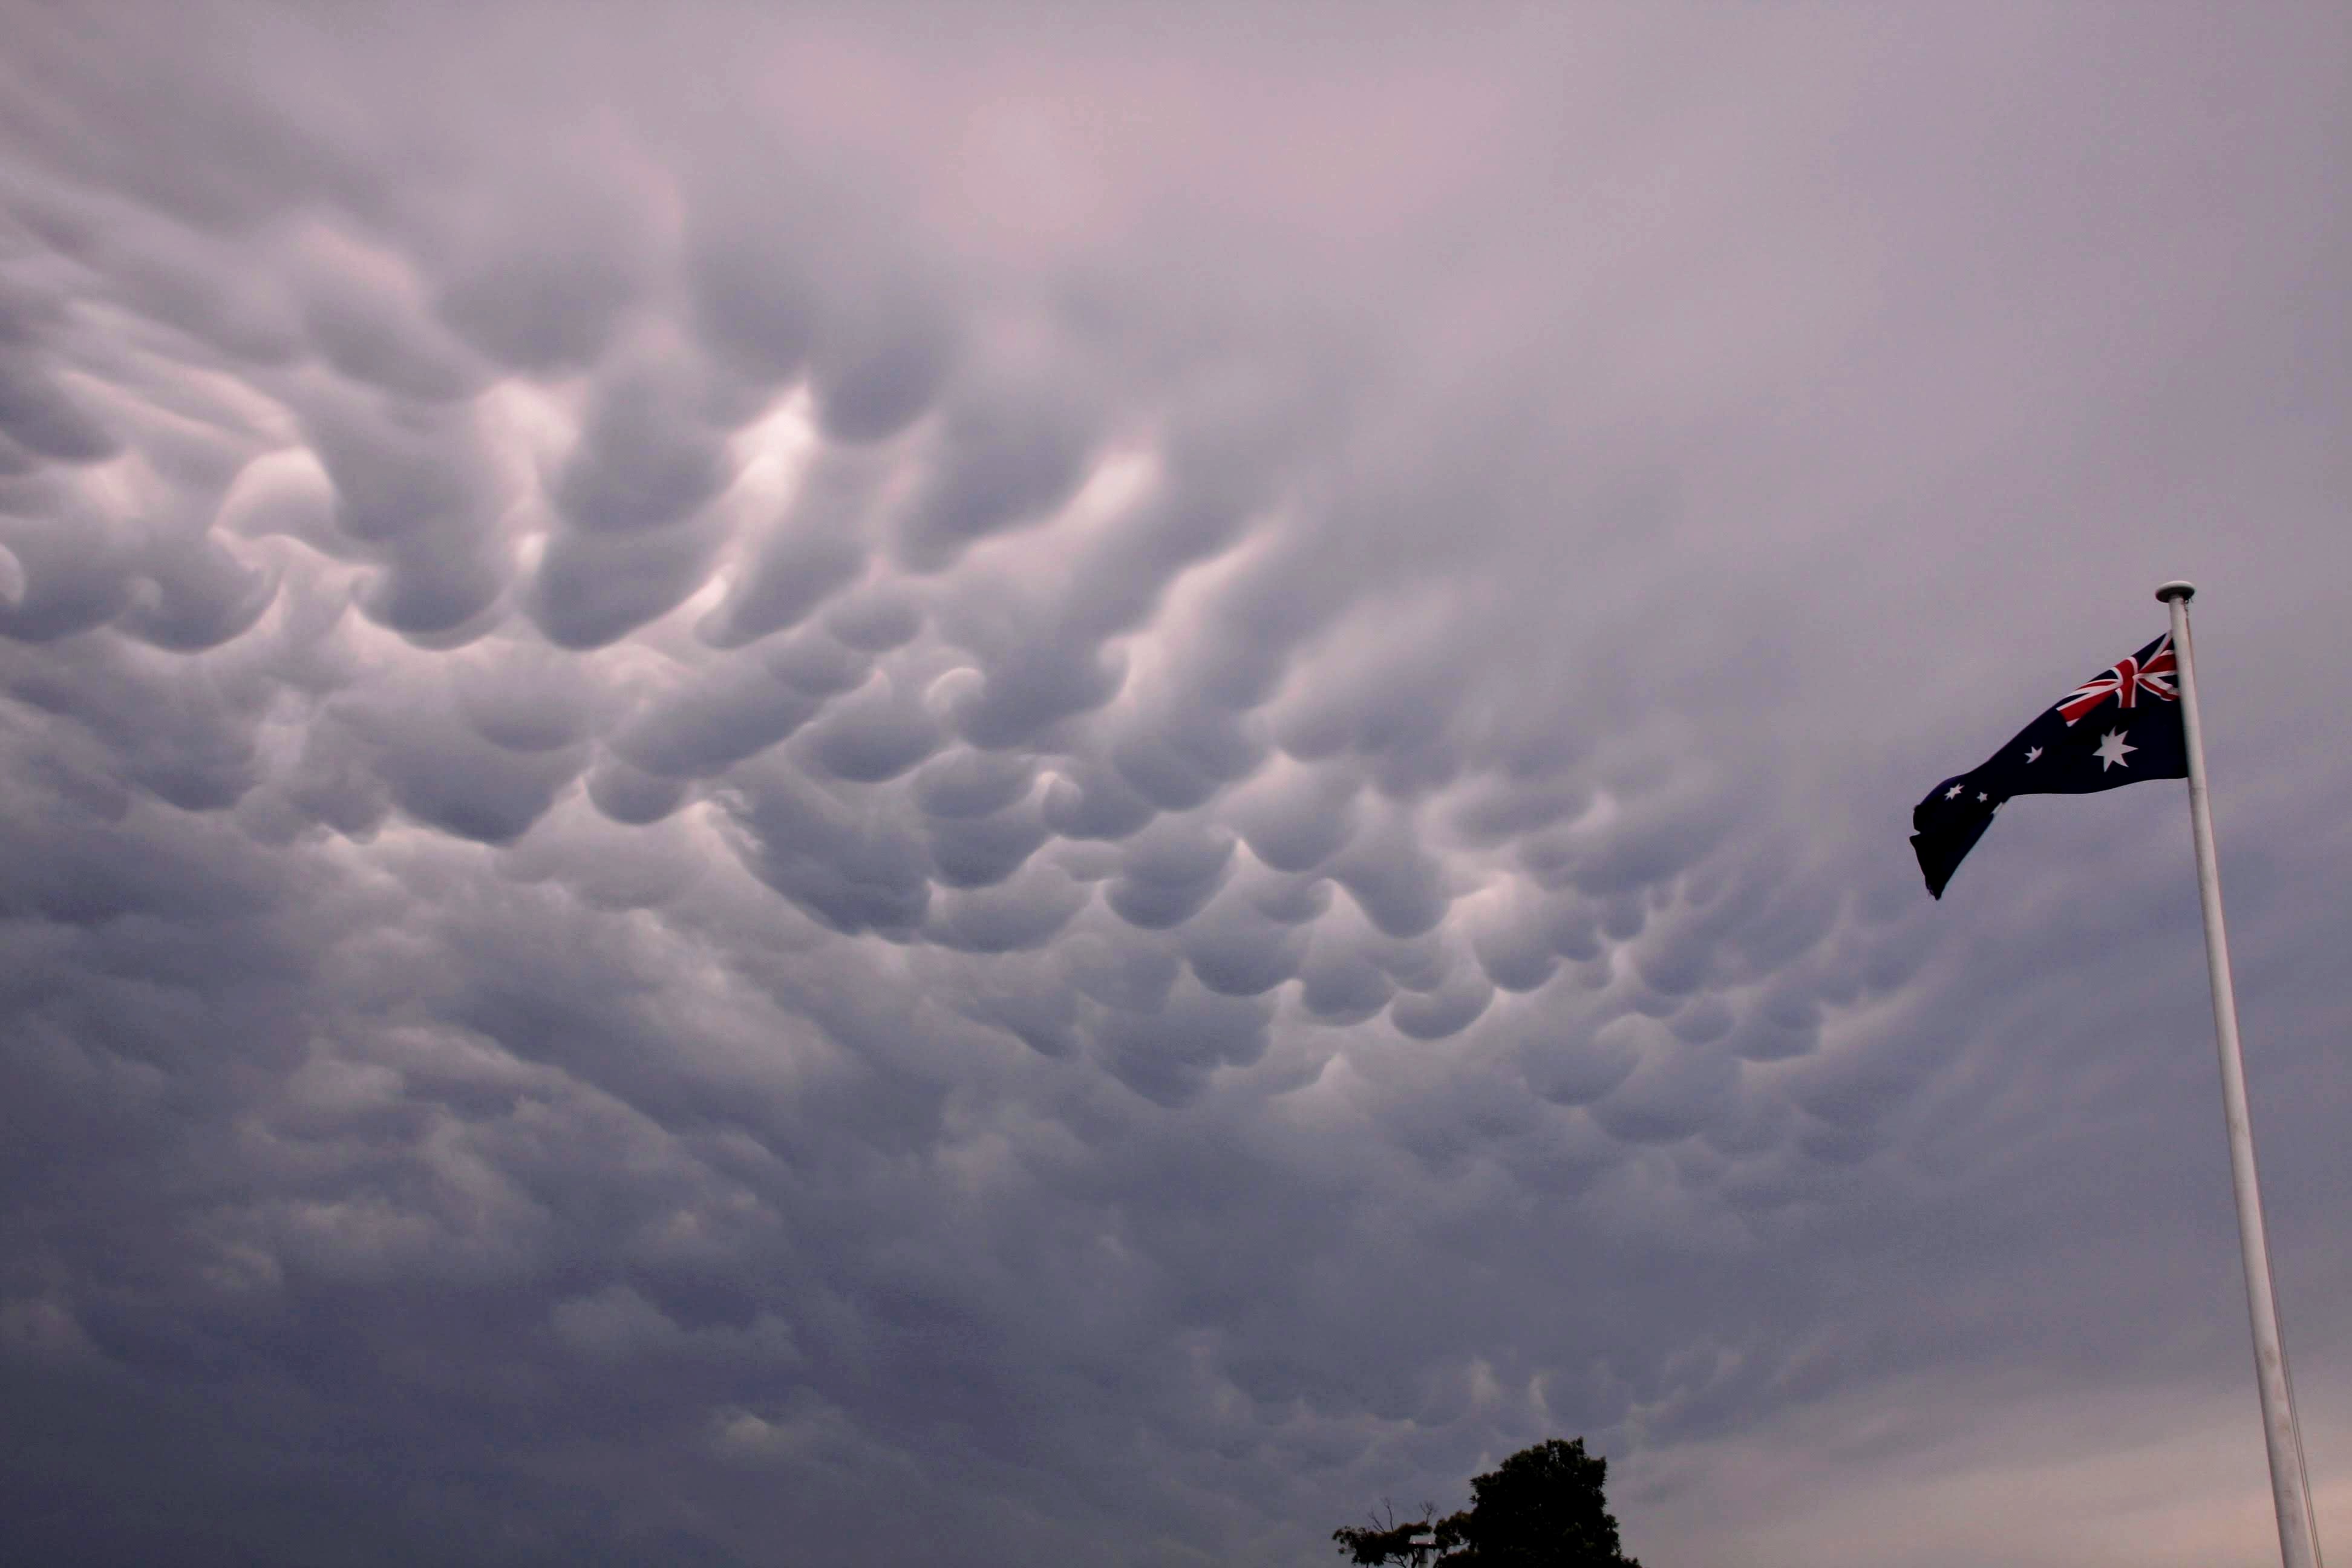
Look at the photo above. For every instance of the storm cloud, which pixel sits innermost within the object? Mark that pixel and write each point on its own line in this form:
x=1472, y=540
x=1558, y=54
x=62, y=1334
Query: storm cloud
x=885, y=786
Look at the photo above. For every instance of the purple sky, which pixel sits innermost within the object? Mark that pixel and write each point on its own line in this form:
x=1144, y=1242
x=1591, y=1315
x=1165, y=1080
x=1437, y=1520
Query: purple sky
x=1022, y=784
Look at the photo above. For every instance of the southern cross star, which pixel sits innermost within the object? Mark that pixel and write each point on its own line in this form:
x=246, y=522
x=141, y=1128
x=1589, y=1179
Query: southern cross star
x=2032, y=753
x=2111, y=750
x=1953, y=792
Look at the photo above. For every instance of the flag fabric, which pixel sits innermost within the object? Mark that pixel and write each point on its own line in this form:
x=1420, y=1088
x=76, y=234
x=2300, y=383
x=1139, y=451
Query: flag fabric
x=2117, y=728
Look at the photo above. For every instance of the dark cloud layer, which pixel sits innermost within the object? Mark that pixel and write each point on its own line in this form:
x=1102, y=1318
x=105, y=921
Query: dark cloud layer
x=864, y=789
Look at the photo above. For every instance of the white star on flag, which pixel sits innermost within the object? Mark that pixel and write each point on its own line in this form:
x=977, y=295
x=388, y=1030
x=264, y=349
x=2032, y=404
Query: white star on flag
x=1953, y=792
x=2111, y=750
x=2032, y=753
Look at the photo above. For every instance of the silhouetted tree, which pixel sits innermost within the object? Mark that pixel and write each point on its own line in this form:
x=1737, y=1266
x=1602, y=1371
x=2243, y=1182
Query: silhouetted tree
x=1386, y=1540
x=1541, y=1507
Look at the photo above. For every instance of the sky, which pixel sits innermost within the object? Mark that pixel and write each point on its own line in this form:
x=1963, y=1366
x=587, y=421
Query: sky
x=1050, y=783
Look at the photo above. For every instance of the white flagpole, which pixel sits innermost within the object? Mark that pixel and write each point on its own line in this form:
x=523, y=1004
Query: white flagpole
x=2290, y=1487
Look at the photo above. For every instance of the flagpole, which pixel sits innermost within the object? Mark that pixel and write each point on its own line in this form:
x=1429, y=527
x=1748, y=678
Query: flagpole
x=2290, y=1486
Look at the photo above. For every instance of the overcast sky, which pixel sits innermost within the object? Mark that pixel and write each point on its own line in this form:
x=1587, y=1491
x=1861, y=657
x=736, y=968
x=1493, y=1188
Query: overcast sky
x=1001, y=785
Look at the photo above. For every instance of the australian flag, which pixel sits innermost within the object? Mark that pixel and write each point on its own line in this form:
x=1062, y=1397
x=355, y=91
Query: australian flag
x=2116, y=729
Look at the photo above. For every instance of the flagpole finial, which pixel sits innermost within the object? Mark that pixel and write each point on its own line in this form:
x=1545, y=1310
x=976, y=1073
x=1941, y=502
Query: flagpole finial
x=2175, y=589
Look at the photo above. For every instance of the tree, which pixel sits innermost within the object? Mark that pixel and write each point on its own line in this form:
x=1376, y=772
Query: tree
x=1386, y=1540
x=1541, y=1507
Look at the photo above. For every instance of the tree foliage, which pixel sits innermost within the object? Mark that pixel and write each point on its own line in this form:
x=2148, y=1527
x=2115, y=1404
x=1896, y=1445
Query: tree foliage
x=1541, y=1507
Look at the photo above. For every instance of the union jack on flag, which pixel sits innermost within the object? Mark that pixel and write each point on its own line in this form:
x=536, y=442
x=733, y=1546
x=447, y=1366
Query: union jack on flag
x=2123, y=681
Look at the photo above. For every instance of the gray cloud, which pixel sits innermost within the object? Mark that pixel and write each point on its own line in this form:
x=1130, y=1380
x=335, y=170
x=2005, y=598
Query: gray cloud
x=868, y=789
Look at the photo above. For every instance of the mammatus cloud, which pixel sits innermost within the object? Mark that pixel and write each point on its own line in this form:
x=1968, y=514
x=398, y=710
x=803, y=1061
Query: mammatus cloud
x=862, y=790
